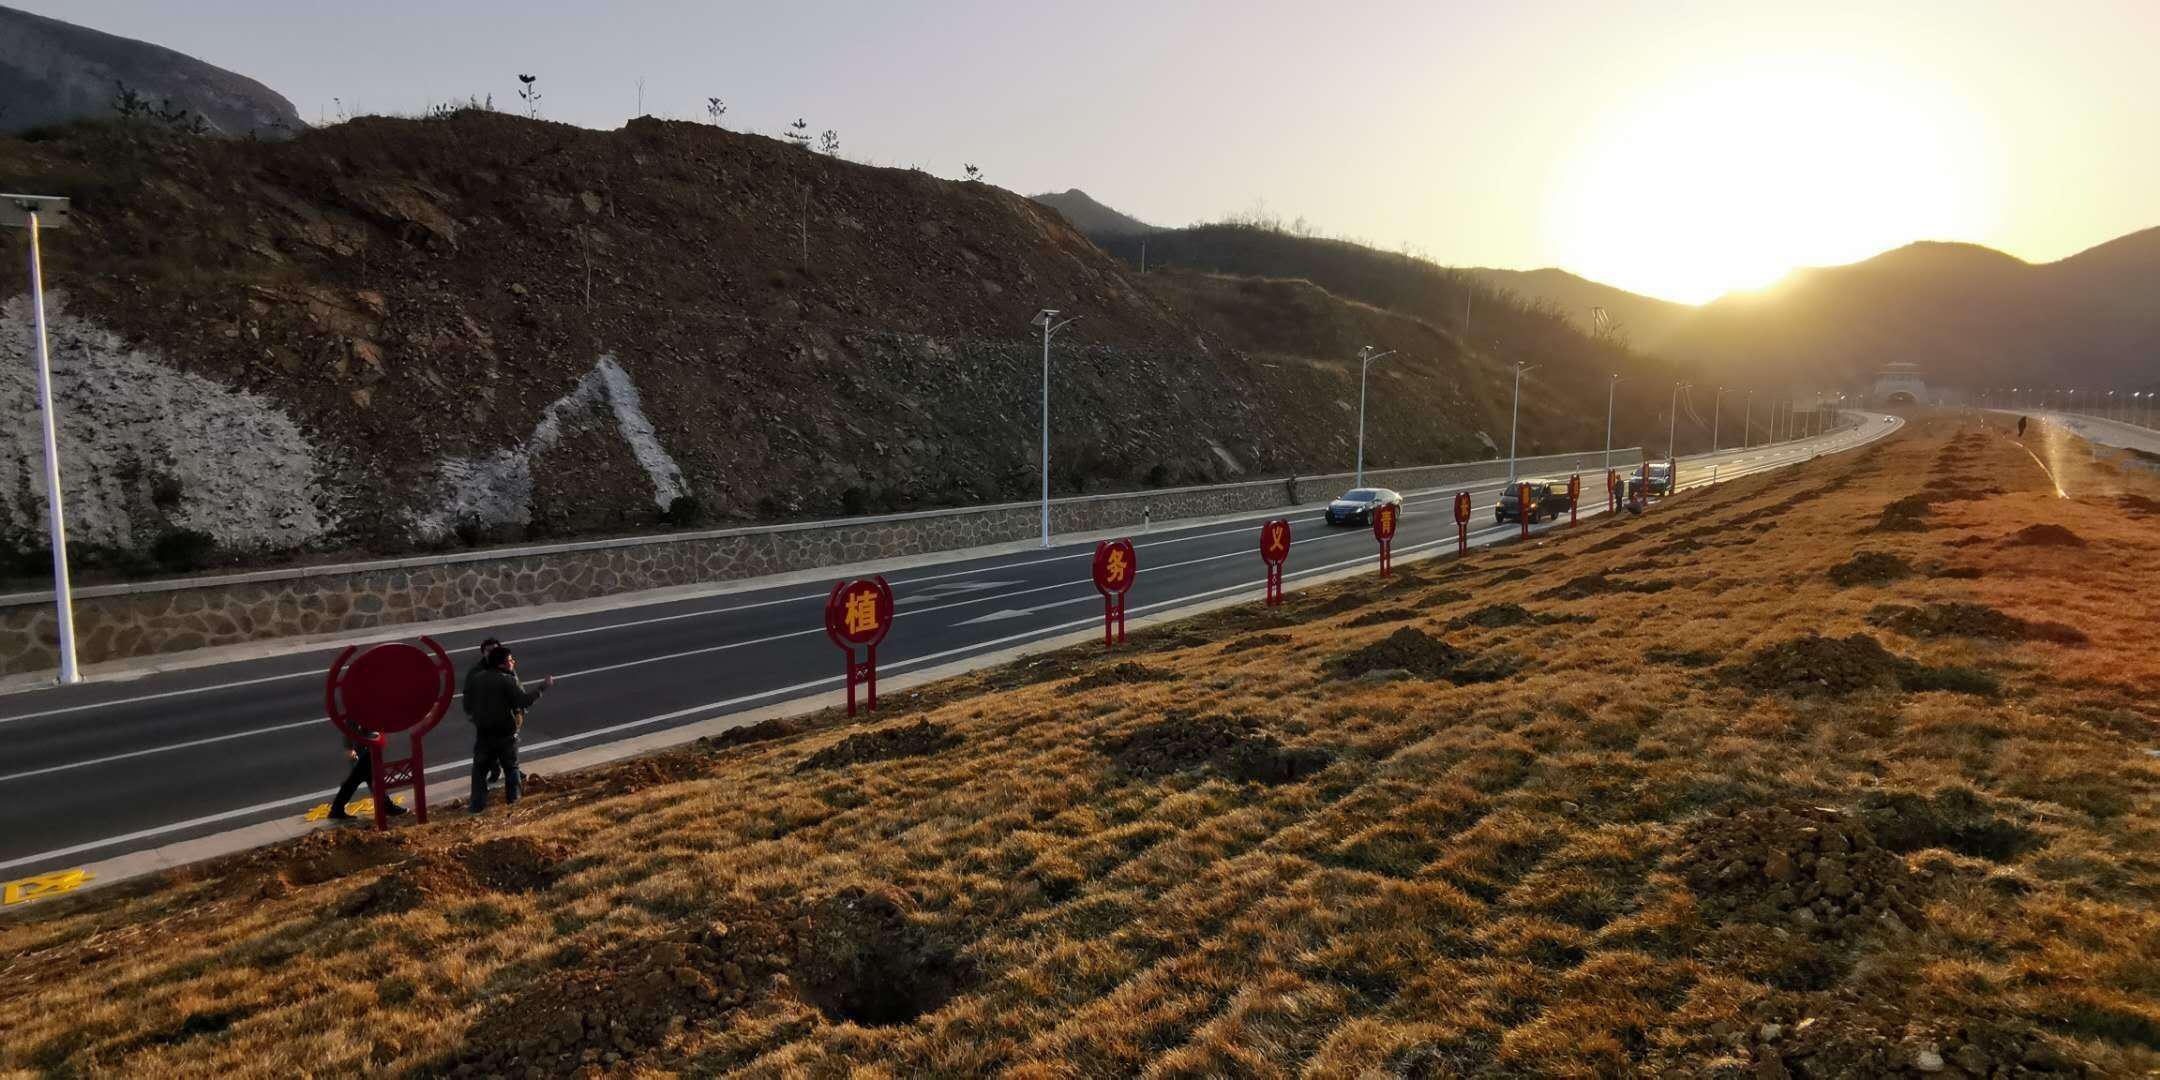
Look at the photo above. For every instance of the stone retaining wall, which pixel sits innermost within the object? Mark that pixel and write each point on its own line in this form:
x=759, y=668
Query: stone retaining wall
x=149, y=618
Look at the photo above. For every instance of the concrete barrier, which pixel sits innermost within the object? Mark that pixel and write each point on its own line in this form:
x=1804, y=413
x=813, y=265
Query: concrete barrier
x=114, y=622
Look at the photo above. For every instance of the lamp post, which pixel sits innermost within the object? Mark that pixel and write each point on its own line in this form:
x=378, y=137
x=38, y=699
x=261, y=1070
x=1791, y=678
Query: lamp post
x=1672, y=428
x=1515, y=415
x=1048, y=320
x=30, y=212
x=1365, y=361
x=1717, y=417
x=1609, y=388
x=1747, y=423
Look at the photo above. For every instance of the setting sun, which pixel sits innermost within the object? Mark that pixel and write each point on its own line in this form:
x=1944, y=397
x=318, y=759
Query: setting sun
x=1728, y=178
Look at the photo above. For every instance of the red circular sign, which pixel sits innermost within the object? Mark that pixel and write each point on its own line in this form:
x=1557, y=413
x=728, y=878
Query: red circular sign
x=859, y=612
x=1115, y=566
x=1462, y=508
x=1383, y=521
x=392, y=687
x=1275, y=541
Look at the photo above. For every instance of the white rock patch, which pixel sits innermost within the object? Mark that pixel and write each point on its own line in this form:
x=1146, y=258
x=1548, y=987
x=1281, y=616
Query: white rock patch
x=227, y=462
x=497, y=489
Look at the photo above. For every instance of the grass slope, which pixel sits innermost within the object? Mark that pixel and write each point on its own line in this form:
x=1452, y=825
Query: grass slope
x=1649, y=795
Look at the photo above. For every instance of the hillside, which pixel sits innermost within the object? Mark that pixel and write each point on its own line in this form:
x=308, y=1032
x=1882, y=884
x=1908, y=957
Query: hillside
x=392, y=333
x=52, y=72
x=1093, y=219
x=1968, y=315
x=1643, y=321
x=1779, y=780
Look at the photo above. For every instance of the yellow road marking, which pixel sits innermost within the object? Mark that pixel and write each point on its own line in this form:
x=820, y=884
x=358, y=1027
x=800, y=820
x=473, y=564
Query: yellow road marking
x=43, y=886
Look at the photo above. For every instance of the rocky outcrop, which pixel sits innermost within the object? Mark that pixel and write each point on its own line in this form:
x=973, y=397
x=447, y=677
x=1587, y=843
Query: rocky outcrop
x=52, y=72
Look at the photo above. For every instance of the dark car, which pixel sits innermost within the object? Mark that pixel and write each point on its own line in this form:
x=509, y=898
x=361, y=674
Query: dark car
x=1356, y=506
x=1548, y=499
x=1661, y=477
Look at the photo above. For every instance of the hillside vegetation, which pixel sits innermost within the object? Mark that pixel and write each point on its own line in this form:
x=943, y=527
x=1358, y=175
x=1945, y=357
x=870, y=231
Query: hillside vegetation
x=1835, y=771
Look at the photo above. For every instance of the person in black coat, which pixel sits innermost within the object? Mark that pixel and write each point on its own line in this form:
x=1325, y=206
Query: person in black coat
x=496, y=702
x=360, y=752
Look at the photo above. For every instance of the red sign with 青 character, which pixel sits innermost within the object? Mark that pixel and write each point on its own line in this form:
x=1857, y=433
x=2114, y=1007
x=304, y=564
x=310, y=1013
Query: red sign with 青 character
x=1274, y=549
x=1462, y=522
x=392, y=688
x=1383, y=530
x=1115, y=568
x=858, y=614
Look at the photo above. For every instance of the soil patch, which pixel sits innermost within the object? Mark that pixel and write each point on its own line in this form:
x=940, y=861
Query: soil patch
x=861, y=958
x=1256, y=641
x=1385, y=615
x=2044, y=536
x=884, y=744
x=1870, y=568
x=1820, y=1036
x=1808, y=869
x=1494, y=617
x=651, y=772
x=1338, y=604
x=1960, y=619
x=1600, y=584
x=510, y=864
x=1505, y=576
x=1687, y=658
x=1682, y=546
x=1610, y=543
x=1422, y=655
x=1956, y=819
x=2139, y=505
x=1123, y=673
x=1908, y=514
x=628, y=1000
x=1232, y=745
x=332, y=854
x=1837, y=667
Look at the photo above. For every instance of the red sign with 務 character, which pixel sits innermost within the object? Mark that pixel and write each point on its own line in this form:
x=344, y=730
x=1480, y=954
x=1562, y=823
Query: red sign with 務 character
x=392, y=688
x=1274, y=549
x=858, y=614
x=1115, y=568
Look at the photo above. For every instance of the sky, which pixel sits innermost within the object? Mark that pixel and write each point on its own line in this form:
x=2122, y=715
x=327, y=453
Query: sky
x=1678, y=149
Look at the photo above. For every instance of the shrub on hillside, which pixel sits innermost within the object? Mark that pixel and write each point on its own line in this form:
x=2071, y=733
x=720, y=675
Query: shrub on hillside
x=182, y=550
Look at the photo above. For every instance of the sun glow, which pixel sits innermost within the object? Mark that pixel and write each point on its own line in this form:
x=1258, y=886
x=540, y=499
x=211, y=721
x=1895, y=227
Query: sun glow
x=1730, y=178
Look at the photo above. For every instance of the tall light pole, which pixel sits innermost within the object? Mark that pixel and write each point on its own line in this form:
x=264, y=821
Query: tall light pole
x=1672, y=428
x=1047, y=319
x=29, y=212
x=1365, y=361
x=1609, y=388
x=1717, y=417
x=1514, y=418
x=1747, y=423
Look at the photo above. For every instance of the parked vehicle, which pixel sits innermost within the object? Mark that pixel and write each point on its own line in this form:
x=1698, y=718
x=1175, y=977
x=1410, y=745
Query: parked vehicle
x=1356, y=506
x=1661, y=477
x=1548, y=499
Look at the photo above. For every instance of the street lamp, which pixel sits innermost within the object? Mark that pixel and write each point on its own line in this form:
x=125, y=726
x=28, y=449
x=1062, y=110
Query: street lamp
x=1365, y=361
x=1609, y=388
x=1048, y=320
x=1672, y=428
x=31, y=212
x=1717, y=417
x=1747, y=422
x=1515, y=415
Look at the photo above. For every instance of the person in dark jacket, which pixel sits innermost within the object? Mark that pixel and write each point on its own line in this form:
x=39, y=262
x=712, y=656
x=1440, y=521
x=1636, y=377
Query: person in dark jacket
x=362, y=772
x=487, y=645
x=496, y=701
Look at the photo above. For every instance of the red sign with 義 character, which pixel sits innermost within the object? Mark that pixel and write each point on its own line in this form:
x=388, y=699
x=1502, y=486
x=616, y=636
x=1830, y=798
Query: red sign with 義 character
x=392, y=688
x=1462, y=522
x=1274, y=548
x=1115, y=568
x=1383, y=530
x=858, y=614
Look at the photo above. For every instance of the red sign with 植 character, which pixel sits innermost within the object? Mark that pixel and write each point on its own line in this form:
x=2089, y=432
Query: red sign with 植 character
x=1115, y=568
x=1383, y=530
x=857, y=615
x=392, y=688
x=1462, y=522
x=1574, y=496
x=1274, y=548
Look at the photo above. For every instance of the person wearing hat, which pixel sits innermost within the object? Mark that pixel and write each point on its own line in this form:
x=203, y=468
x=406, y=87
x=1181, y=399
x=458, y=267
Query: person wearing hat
x=496, y=701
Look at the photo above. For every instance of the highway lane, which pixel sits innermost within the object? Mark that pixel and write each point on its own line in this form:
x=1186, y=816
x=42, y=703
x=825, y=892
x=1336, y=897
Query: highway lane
x=96, y=770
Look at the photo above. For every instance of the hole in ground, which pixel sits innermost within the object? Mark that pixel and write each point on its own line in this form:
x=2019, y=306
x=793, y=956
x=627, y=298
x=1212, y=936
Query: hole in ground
x=861, y=959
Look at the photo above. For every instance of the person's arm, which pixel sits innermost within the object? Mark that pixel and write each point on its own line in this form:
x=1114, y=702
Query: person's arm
x=525, y=698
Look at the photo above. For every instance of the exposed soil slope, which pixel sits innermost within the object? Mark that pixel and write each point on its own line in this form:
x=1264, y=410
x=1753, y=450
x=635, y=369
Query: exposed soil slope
x=1193, y=859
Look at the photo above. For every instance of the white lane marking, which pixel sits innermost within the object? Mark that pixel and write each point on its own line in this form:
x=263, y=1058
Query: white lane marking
x=647, y=721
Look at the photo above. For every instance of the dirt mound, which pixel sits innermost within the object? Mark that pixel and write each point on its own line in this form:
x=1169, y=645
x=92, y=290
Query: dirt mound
x=510, y=864
x=884, y=744
x=2043, y=536
x=1682, y=546
x=1494, y=617
x=1809, y=869
x=627, y=1000
x=860, y=958
x=1839, y=666
x=1600, y=584
x=1851, y=1036
x=652, y=772
x=1385, y=615
x=1422, y=655
x=1124, y=673
x=1610, y=543
x=330, y=854
x=1870, y=568
x=1962, y=619
x=2138, y=505
x=1232, y=745
x=1908, y=514
x=1256, y=641
x=1956, y=819
x=1335, y=605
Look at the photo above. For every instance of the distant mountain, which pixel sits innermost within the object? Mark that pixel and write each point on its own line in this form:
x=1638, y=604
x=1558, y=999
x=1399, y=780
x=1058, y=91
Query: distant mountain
x=1643, y=320
x=52, y=72
x=1968, y=315
x=1093, y=219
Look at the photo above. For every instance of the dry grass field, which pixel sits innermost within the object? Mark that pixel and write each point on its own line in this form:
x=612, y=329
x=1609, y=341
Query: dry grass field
x=1840, y=771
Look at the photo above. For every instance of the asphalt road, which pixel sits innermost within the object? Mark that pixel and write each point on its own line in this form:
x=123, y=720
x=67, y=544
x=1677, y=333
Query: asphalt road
x=100, y=769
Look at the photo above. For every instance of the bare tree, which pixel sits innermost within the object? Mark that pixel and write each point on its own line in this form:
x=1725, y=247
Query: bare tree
x=829, y=141
x=972, y=175
x=531, y=94
x=715, y=108
x=798, y=133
